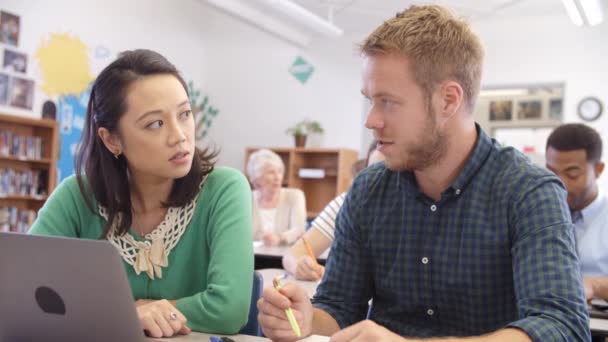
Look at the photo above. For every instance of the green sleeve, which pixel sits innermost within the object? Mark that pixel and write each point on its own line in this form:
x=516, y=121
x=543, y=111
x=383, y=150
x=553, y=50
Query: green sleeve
x=59, y=216
x=223, y=306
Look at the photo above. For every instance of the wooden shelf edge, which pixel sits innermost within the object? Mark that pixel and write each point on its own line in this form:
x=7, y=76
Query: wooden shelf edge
x=34, y=122
x=312, y=214
x=25, y=160
x=23, y=198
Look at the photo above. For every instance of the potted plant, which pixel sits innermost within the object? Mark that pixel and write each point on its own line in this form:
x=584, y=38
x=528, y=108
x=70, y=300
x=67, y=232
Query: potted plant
x=301, y=130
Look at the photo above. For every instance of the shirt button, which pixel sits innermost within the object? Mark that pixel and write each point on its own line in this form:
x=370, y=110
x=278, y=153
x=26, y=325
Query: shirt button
x=457, y=192
x=425, y=260
x=433, y=208
x=430, y=312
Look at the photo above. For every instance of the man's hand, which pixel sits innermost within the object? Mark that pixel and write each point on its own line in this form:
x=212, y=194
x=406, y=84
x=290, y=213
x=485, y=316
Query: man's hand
x=161, y=319
x=366, y=331
x=272, y=318
x=308, y=269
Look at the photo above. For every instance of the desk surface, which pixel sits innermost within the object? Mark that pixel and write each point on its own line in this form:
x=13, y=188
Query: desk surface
x=269, y=273
x=277, y=251
x=200, y=337
x=598, y=325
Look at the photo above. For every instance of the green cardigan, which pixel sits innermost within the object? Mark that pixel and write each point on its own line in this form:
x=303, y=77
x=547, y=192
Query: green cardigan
x=210, y=271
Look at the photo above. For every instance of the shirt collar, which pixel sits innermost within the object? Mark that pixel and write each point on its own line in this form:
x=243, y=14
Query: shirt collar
x=594, y=208
x=476, y=160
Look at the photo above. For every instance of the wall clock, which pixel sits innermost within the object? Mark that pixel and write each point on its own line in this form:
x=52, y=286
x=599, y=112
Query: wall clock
x=590, y=108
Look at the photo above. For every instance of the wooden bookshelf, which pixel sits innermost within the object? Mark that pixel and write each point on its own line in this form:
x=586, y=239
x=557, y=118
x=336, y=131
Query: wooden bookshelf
x=36, y=161
x=335, y=163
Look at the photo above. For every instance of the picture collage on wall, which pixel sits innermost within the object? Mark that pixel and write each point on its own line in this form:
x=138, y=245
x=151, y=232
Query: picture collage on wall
x=504, y=110
x=16, y=88
x=536, y=107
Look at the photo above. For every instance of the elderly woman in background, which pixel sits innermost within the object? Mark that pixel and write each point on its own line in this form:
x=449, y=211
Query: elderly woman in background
x=279, y=214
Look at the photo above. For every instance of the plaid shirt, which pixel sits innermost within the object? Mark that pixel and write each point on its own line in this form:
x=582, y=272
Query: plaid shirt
x=496, y=251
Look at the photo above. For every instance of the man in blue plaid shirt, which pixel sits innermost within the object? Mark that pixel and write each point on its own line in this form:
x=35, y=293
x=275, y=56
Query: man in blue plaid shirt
x=453, y=236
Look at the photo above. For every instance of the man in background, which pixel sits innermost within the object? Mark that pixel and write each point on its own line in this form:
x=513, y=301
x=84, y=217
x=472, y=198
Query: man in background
x=574, y=153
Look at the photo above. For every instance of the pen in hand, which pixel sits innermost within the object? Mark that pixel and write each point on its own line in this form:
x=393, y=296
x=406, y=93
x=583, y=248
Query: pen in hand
x=311, y=254
x=276, y=282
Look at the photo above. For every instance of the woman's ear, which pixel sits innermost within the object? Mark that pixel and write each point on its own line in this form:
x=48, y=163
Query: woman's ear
x=111, y=141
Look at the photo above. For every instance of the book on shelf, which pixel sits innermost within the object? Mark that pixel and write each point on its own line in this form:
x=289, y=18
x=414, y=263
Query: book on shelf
x=22, y=182
x=13, y=219
x=5, y=142
x=25, y=147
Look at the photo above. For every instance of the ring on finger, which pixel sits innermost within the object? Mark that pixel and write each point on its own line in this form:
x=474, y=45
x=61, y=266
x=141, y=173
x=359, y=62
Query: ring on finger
x=173, y=316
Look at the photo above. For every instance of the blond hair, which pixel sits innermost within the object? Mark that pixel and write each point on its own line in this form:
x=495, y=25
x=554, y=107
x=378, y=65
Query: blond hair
x=438, y=45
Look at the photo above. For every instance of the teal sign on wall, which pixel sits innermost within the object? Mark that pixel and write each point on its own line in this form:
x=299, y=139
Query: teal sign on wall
x=301, y=69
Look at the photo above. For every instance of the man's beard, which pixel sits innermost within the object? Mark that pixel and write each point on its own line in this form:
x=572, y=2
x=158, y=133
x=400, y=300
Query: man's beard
x=431, y=148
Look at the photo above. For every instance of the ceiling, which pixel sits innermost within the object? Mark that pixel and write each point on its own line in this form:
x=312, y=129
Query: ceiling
x=361, y=16
x=357, y=18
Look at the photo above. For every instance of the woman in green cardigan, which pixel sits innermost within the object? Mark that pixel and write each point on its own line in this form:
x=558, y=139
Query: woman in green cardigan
x=181, y=225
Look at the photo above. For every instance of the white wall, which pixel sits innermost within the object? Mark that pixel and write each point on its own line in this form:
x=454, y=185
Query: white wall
x=244, y=70
x=550, y=49
x=117, y=25
x=247, y=75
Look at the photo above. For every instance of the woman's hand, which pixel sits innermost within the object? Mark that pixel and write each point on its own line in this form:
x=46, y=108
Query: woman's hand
x=160, y=318
x=271, y=239
x=308, y=269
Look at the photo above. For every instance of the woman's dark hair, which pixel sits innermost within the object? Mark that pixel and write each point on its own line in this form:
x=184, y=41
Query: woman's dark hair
x=107, y=179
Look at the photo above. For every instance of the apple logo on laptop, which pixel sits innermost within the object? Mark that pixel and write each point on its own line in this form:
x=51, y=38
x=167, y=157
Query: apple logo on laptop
x=50, y=301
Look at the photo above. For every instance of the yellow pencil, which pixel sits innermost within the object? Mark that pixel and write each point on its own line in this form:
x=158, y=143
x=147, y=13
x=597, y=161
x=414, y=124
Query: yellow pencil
x=292, y=319
x=309, y=250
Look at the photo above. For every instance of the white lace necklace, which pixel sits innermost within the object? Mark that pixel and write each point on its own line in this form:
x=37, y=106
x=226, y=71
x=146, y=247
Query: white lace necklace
x=152, y=254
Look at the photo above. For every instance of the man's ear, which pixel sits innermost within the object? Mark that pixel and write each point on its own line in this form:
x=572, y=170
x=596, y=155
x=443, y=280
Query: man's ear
x=111, y=141
x=451, y=97
x=598, y=169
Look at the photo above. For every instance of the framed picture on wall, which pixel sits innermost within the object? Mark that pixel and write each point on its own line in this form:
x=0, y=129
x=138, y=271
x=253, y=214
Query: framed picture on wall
x=501, y=110
x=9, y=28
x=4, y=86
x=531, y=109
x=556, y=110
x=22, y=93
x=14, y=61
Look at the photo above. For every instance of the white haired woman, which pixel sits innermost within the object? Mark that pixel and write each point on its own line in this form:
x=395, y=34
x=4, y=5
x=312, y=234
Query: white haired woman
x=279, y=214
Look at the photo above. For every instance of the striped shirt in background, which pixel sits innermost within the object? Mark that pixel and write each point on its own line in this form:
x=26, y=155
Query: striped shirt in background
x=326, y=221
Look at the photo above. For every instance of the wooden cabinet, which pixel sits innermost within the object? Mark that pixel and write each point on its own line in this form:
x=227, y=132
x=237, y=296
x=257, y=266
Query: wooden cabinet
x=28, y=157
x=334, y=164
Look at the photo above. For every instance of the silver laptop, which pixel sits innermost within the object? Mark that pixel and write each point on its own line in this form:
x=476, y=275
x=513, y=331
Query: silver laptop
x=60, y=289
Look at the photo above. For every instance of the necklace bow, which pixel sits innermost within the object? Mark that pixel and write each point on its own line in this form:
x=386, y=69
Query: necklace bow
x=151, y=259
